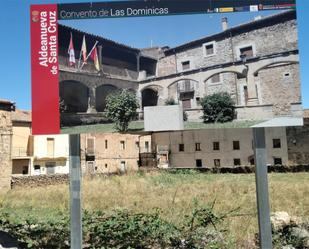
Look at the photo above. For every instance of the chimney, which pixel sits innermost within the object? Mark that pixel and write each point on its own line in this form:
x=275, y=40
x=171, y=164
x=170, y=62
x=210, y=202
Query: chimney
x=224, y=23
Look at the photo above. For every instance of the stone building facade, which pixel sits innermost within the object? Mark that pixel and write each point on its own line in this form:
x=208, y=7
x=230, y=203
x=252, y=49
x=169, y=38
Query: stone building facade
x=257, y=63
x=114, y=152
x=210, y=148
x=6, y=107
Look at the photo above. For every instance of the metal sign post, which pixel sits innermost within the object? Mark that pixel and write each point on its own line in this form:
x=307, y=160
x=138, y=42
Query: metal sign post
x=262, y=188
x=75, y=192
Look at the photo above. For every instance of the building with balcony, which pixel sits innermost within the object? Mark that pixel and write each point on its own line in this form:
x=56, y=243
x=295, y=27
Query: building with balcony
x=35, y=155
x=256, y=62
x=116, y=152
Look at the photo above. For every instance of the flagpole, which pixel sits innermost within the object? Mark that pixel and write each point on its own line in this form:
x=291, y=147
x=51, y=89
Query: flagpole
x=89, y=54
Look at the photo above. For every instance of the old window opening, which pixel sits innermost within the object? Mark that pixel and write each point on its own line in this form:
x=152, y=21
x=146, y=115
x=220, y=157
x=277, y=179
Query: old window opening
x=276, y=143
x=236, y=145
x=237, y=162
x=181, y=147
x=106, y=144
x=185, y=65
x=209, y=49
x=197, y=146
x=198, y=163
x=277, y=161
x=247, y=51
x=216, y=146
x=122, y=145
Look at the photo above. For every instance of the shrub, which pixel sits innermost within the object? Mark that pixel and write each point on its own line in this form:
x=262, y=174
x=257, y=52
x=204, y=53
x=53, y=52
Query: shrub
x=170, y=101
x=218, y=107
x=121, y=108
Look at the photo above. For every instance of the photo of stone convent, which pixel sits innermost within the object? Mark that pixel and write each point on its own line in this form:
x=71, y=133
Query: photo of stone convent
x=256, y=62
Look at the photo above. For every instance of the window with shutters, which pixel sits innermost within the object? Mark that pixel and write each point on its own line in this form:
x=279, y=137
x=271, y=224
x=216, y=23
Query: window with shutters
x=90, y=146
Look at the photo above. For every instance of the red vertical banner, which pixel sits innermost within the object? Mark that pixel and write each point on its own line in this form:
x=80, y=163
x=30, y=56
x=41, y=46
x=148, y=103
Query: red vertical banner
x=44, y=69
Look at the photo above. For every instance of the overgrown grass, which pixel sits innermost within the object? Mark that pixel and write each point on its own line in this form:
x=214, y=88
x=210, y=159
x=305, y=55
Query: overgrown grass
x=136, y=126
x=174, y=194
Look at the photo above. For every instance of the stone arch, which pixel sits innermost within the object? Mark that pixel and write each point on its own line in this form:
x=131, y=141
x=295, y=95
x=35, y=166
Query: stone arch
x=74, y=96
x=230, y=85
x=185, y=90
x=183, y=79
x=150, y=96
x=222, y=72
x=287, y=62
x=101, y=92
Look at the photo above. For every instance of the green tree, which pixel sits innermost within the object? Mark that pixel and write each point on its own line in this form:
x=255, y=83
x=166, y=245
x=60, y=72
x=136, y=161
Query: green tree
x=218, y=107
x=121, y=108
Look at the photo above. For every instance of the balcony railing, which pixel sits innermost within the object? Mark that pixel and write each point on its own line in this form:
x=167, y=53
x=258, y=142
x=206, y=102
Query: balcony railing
x=20, y=152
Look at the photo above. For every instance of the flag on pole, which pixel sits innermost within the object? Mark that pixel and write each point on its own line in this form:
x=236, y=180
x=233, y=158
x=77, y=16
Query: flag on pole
x=84, y=50
x=95, y=58
x=71, y=52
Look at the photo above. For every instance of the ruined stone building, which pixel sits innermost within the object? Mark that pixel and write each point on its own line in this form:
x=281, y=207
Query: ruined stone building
x=6, y=107
x=257, y=63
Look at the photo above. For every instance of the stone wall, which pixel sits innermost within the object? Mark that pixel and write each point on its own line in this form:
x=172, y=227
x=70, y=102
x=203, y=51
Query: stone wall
x=264, y=40
x=298, y=144
x=280, y=86
x=39, y=181
x=5, y=149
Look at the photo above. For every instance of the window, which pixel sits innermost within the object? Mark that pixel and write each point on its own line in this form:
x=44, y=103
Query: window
x=123, y=166
x=247, y=51
x=187, y=85
x=277, y=161
x=236, y=145
x=198, y=146
x=147, y=146
x=276, y=143
x=198, y=163
x=216, y=146
x=237, y=162
x=181, y=147
x=50, y=168
x=216, y=79
x=185, y=65
x=198, y=100
x=209, y=49
x=105, y=165
x=50, y=147
x=90, y=146
x=106, y=144
x=217, y=163
x=122, y=145
x=37, y=169
x=137, y=145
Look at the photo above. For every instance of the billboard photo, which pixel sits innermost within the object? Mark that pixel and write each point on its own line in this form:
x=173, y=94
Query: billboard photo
x=166, y=56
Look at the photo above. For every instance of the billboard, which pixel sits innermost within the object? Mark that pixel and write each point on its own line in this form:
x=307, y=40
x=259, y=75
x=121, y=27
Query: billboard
x=162, y=53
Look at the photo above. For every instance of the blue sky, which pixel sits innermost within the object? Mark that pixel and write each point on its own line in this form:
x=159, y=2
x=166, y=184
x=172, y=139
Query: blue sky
x=15, y=40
